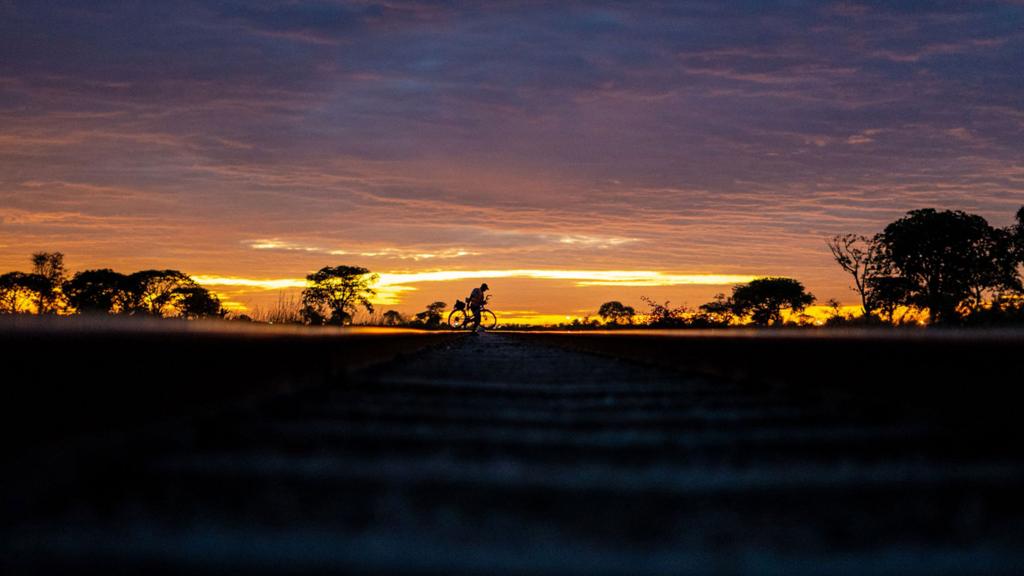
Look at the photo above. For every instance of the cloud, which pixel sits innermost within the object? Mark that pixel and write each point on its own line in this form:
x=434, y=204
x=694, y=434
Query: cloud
x=392, y=286
x=864, y=137
x=580, y=277
x=378, y=252
x=940, y=49
x=259, y=139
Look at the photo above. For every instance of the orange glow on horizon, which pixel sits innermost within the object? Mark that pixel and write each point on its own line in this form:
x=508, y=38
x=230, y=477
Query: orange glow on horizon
x=399, y=281
x=392, y=286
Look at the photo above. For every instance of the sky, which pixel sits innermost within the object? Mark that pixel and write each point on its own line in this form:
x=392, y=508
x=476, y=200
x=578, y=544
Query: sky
x=569, y=152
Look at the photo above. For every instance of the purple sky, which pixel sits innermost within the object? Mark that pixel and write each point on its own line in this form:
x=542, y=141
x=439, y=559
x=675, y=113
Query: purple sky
x=267, y=139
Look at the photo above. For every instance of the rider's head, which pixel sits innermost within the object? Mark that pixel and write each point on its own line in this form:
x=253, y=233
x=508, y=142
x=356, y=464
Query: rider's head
x=483, y=287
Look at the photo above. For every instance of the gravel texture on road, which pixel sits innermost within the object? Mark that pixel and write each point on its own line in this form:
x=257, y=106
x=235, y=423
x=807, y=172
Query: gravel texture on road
x=496, y=455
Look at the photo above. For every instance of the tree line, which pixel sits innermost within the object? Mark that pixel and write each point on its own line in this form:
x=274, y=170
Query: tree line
x=332, y=297
x=761, y=302
x=335, y=294
x=950, y=267
x=48, y=289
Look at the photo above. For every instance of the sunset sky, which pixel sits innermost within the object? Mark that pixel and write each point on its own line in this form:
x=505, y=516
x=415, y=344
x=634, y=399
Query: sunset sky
x=567, y=152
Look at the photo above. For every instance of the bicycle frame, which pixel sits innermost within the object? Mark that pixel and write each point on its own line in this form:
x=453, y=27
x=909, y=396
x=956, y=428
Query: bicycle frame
x=463, y=307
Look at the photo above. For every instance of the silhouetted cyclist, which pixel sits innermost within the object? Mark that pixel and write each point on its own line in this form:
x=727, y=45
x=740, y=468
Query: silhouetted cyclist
x=477, y=299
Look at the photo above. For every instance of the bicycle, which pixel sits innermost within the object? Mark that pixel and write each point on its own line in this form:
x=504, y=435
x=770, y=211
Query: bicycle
x=461, y=317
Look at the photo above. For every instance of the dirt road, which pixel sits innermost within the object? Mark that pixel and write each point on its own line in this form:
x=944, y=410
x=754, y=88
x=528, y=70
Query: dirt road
x=495, y=455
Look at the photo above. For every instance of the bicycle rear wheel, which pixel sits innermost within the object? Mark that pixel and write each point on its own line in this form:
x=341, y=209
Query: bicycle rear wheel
x=488, y=320
x=457, y=319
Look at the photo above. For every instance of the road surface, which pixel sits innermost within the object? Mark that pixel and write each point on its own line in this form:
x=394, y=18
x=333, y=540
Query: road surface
x=493, y=454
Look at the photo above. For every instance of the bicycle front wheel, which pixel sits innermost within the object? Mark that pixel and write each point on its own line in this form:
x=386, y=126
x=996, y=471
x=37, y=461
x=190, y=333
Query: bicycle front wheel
x=457, y=319
x=488, y=320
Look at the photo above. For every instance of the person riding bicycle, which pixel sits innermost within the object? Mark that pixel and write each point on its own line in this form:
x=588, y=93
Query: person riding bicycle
x=476, y=301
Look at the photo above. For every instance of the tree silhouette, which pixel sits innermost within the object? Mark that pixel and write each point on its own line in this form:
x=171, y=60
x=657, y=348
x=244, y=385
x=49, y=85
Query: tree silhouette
x=160, y=293
x=49, y=265
x=859, y=257
x=664, y=315
x=39, y=291
x=335, y=293
x=19, y=292
x=948, y=259
x=156, y=292
x=714, y=314
x=1002, y=278
x=1016, y=235
x=835, y=313
x=49, y=277
x=166, y=293
x=1019, y=229
x=616, y=312
x=890, y=294
x=764, y=299
x=314, y=316
x=98, y=291
x=433, y=316
x=392, y=318
x=197, y=302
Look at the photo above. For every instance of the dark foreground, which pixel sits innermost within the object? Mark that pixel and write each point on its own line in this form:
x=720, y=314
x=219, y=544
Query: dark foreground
x=498, y=454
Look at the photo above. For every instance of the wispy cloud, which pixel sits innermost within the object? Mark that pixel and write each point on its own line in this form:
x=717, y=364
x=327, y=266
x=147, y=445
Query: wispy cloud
x=391, y=286
x=263, y=140
x=580, y=277
x=378, y=252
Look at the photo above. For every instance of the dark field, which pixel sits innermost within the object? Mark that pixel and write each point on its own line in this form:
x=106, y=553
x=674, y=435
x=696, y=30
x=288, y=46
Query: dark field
x=209, y=450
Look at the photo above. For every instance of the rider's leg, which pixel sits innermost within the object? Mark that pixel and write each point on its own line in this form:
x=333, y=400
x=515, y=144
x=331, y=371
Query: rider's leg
x=476, y=316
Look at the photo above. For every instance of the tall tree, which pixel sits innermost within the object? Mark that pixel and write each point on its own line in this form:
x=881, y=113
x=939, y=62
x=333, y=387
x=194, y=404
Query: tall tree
x=859, y=257
x=948, y=260
x=98, y=291
x=616, y=312
x=765, y=299
x=335, y=293
x=50, y=275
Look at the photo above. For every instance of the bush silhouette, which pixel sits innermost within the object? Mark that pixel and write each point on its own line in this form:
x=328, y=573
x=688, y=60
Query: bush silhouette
x=664, y=315
x=616, y=312
x=433, y=316
x=714, y=314
x=392, y=318
x=764, y=299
